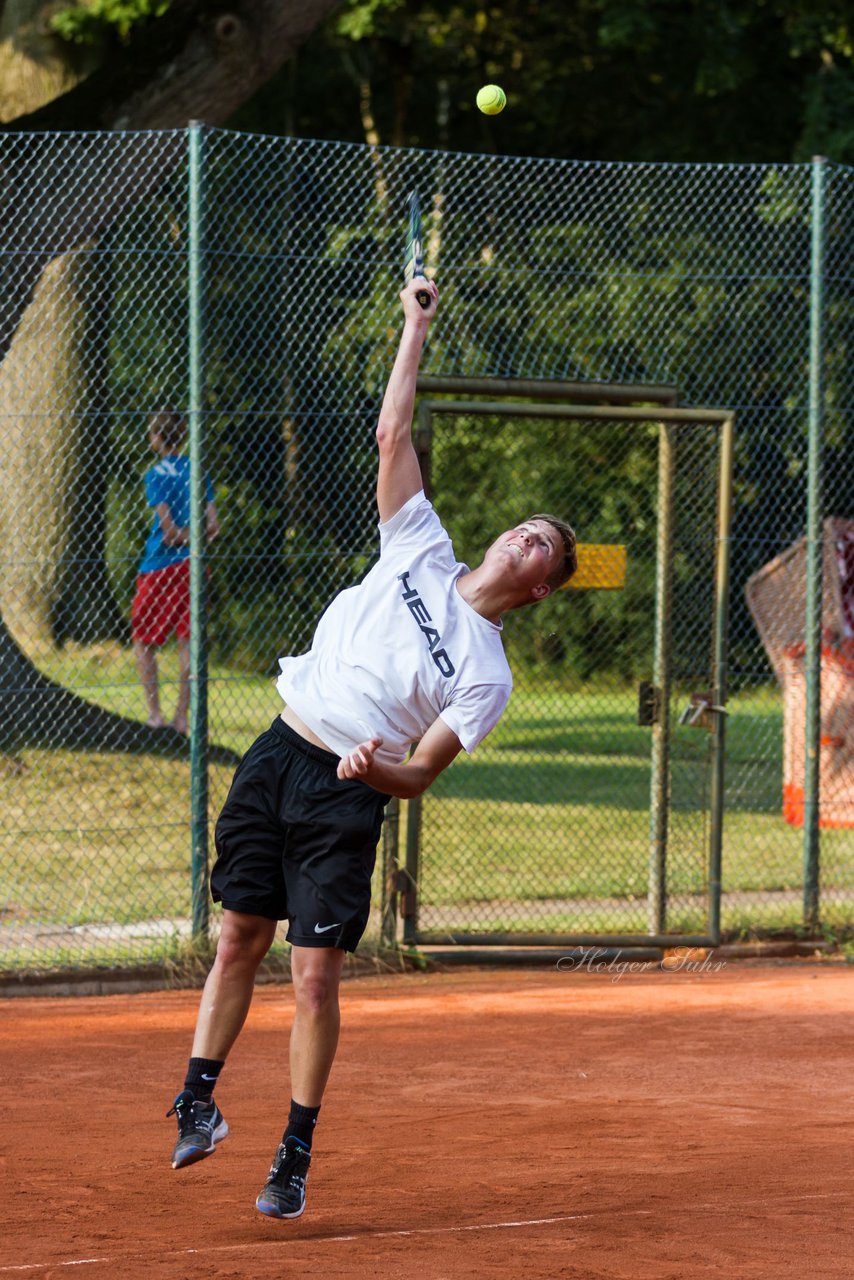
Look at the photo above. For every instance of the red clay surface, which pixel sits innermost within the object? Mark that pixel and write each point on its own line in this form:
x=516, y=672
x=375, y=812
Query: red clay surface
x=478, y=1124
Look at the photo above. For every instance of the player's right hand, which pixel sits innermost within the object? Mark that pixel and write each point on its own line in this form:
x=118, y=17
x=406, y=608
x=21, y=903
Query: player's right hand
x=357, y=763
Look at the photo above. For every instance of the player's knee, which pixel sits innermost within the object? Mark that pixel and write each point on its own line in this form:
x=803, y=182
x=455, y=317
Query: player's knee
x=315, y=992
x=241, y=944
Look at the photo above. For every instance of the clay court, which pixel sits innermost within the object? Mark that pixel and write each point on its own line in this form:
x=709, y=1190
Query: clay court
x=649, y=1126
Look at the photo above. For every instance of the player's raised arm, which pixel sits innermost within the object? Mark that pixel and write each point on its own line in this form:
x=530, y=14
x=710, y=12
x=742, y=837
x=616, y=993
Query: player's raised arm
x=399, y=476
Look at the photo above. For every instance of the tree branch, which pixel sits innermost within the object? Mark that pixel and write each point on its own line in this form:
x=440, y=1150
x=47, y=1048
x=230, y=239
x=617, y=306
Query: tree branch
x=201, y=60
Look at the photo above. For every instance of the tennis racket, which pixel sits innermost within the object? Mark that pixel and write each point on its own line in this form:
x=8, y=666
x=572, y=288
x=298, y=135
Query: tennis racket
x=413, y=263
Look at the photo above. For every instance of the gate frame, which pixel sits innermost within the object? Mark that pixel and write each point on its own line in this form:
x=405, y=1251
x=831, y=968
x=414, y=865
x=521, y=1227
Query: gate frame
x=601, y=402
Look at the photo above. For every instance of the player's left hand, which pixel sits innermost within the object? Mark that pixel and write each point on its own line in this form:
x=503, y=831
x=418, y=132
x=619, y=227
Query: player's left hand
x=357, y=762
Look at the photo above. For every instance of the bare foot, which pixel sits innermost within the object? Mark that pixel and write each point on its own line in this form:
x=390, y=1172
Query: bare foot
x=156, y=722
x=180, y=724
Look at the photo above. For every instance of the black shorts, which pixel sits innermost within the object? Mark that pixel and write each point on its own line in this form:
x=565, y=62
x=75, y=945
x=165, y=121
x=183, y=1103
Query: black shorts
x=294, y=842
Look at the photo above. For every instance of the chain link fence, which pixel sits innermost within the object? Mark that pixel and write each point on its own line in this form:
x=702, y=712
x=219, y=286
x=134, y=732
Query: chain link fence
x=589, y=811
x=688, y=276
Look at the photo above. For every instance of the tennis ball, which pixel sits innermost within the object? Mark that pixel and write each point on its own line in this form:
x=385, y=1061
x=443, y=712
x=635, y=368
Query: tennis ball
x=491, y=99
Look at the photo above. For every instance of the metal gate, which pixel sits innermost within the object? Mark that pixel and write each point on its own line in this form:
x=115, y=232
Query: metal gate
x=593, y=814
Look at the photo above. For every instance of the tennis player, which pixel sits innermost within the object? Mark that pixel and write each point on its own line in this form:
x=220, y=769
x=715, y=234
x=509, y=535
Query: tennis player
x=413, y=654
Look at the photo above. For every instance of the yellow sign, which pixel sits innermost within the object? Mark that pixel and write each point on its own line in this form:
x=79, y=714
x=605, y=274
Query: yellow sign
x=601, y=567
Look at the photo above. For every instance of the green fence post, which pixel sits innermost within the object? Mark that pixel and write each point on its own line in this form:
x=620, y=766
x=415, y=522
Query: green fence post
x=413, y=871
x=720, y=650
x=659, y=799
x=814, y=549
x=198, y=546
x=390, y=861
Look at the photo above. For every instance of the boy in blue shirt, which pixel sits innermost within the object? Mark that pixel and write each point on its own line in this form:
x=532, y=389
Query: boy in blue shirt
x=162, y=601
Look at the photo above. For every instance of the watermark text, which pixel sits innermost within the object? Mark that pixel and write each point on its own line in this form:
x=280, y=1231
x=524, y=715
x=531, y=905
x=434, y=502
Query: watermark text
x=616, y=964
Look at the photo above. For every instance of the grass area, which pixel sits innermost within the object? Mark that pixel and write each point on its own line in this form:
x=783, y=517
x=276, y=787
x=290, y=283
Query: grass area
x=104, y=839
x=556, y=806
x=545, y=829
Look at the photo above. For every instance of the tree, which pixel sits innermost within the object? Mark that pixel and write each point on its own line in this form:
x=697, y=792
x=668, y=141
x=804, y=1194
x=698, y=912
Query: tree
x=632, y=80
x=156, y=69
x=590, y=79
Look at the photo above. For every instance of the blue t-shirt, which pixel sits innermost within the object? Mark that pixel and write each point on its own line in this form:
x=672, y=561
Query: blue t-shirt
x=169, y=482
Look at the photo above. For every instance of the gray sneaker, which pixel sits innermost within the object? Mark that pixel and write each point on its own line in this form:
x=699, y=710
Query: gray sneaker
x=201, y=1125
x=283, y=1194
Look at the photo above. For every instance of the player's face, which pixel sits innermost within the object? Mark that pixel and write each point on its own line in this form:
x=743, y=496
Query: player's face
x=530, y=551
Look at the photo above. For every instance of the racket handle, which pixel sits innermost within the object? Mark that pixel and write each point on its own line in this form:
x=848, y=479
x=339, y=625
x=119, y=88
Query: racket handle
x=422, y=296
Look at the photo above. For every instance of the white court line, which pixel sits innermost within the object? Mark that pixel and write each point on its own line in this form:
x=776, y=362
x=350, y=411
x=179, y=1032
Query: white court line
x=265, y=1244
x=477, y=1226
x=414, y=1231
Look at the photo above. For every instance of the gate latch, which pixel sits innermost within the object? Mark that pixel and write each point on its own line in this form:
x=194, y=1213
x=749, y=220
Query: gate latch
x=701, y=711
x=649, y=703
x=405, y=890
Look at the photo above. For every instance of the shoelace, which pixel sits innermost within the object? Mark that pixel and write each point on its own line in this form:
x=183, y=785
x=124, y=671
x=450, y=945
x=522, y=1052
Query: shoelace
x=188, y=1119
x=285, y=1168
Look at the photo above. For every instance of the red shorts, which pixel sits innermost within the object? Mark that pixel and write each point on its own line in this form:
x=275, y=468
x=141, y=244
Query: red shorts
x=162, y=604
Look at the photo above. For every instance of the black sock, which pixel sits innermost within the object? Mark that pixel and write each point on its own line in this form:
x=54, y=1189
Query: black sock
x=202, y=1075
x=301, y=1122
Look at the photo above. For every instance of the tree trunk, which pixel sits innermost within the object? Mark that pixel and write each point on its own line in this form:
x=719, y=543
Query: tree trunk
x=41, y=388
x=197, y=62
x=86, y=609
x=41, y=379
x=35, y=66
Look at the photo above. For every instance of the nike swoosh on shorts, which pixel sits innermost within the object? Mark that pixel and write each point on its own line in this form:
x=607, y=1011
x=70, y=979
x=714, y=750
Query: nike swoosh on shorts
x=326, y=927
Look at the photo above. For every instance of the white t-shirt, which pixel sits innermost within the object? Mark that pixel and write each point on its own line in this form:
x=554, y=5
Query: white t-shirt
x=400, y=649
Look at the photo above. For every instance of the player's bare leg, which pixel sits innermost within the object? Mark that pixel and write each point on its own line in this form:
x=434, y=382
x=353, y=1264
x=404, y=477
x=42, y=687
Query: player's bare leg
x=146, y=665
x=179, y=720
x=243, y=943
x=316, y=974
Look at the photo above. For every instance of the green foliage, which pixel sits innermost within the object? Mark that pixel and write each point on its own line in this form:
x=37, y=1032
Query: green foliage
x=601, y=79
x=490, y=473
x=93, y=22
x=359, y=19
x=300, y=329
